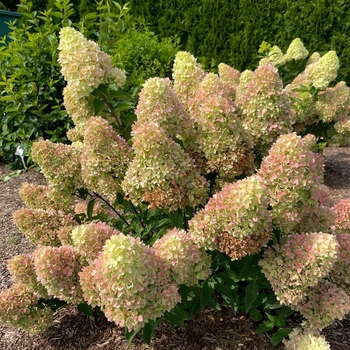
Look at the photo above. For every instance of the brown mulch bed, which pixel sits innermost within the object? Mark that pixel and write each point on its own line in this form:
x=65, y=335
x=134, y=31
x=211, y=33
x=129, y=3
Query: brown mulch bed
x=210, y=330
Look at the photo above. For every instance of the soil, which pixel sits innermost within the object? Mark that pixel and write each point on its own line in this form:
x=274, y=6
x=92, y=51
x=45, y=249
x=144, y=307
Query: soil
x=210, y=330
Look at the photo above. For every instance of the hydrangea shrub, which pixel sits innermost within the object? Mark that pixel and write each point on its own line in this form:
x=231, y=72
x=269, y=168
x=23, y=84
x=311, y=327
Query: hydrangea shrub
x=214, y=192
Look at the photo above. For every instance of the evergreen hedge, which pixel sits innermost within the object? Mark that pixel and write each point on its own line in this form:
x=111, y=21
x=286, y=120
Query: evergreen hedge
x=231, y=31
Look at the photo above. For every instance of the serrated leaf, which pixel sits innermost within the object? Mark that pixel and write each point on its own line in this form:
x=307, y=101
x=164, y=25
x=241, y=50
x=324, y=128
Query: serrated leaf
x=148, y=330
x=86, y=309
x=98, y=106
x=90, y=208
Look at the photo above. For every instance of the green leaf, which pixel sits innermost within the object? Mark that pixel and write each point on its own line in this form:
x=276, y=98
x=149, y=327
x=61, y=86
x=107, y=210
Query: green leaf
x=195, y=307
x=98, y=106
x=249, y=273
x=277, y=321
x=131, y=335
x=251, y=293
x=148, y=330
x=177, y=219
x=285, y=311
x=255, y=315
x=207, y=292
x=90, y=208
x=279, y=336
x=266, y=326
x=176, y=316
x=86, y=309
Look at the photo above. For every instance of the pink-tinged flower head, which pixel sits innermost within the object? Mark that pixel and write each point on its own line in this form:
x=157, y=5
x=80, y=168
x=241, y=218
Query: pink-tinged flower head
x=235, y=220
x=60, y=164
x=333, y=103
x=44, y=197
x=342, y=128
x=187, y=263
x=342, y=212
x=19, y=308
x=293, y=175
x=161, y=173
x=340, y=272
x=22, y=270
x=265, y=107
x=230, y=78
x=159, y=104
x=57, y=269
x=300, y=262
x=187, y=74
x=306, y=339
x=220, y=136
x=324, y=303
x=129, y=282
x=89, y=239
x=105, y=158
x=84, y=65
x=41, y=226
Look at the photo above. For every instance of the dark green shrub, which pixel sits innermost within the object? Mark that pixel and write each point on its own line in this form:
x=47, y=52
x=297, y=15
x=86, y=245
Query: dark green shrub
x=31, y=83
x=143, y=55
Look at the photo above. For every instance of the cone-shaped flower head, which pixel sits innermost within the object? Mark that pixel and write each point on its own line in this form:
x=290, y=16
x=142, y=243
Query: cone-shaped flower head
x=324, y=303
x=19, y=308
x=105, y=158
x=306, y=339
x=161, y=173
x=159, y=104
x=41, y=226
x=296, y=51
x=187, y=263
x=265, y=107
x=235, y=220
x=187, y=74
x=298, y=263
x=221, y=136
x=58, y=271
x=130, y=283
x=293, y=175
x=333, y=103
x=84, y=65
x=89, y=239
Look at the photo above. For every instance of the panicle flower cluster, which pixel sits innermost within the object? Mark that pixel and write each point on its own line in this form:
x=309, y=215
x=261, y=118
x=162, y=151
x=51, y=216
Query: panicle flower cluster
x=342, y=220
x=43, y=196
x=130, y=283
x=342, y=129
x=41, y=226
x=235, y=220
x=323, y=71
x=19, y=308
x=187, y=74
x=274, y=56
x=221, y=136
x=57, y=269
x=22, y=270
x=61, y=166
x=296, y=51
x=324, y=303
x=340, y=272
x=301, y=261
x=306, y=339
x=105, y=158
x=84, y=65
x=161, y=173
x=80, y=110
x=230, y=78
x=265, y=107
x=159, y=104
x=293, y=175
x=187, y=263
x=89, y=239
x=333, y=103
